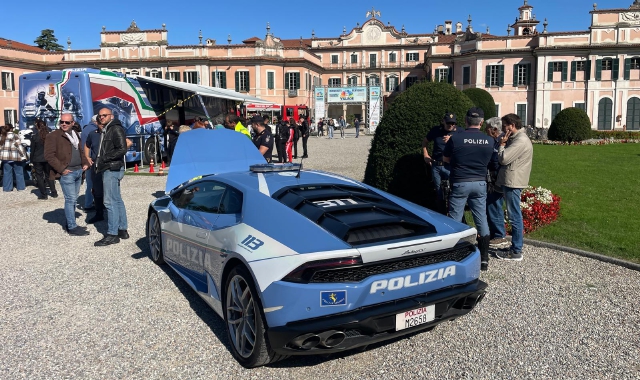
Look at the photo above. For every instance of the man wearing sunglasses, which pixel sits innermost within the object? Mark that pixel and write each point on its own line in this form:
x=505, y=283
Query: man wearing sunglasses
x=439, y=169
x=63, y=152
x=110, y=162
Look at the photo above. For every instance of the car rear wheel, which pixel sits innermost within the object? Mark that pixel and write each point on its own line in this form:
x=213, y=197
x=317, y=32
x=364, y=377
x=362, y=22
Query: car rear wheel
x=154, y=237
x=245, y=322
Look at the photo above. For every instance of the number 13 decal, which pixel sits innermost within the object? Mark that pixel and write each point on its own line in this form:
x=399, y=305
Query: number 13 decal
x=252, y=242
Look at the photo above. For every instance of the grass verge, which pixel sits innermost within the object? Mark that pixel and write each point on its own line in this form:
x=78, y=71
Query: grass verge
x=599, y=185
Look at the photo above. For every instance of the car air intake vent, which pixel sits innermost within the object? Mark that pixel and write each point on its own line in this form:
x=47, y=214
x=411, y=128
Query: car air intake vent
x=366, y=234
x=354, y=214
x=359, y=273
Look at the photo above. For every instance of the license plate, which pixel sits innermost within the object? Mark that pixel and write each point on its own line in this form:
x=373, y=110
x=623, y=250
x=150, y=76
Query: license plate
x=415, y=317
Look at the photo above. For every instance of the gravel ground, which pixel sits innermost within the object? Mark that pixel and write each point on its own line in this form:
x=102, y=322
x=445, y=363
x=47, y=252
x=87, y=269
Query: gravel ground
x=70, y=310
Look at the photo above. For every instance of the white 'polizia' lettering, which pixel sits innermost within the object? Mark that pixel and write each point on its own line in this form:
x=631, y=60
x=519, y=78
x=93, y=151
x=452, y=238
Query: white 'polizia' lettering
x=409, y=281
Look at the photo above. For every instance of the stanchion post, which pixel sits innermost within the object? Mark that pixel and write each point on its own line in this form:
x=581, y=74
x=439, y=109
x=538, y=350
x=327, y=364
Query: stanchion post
x=141, y=153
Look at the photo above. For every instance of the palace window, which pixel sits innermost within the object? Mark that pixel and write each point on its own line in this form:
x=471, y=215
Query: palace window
x=410, y=81
x=412, y=57
x=8, y=81
x=242, y=81
x=466, y=75
x=190, y=77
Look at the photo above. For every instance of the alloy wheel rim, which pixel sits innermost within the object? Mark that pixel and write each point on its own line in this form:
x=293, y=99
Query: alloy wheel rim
x=241, y=318
x=154, y=237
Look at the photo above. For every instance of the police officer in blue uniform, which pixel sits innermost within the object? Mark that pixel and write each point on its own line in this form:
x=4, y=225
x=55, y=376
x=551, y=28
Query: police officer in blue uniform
x=439, y=169
x=469, y=154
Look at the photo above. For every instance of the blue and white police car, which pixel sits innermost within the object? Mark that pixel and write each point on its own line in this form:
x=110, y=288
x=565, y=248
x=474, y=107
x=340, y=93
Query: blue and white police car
x=303, y=262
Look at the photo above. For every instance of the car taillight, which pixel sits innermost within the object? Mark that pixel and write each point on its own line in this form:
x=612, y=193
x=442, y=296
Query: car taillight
x=305, y=272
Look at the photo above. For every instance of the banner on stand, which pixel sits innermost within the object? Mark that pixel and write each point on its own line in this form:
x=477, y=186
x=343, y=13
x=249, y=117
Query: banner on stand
x=347, y=94
x=374, y=108
x=319, y=106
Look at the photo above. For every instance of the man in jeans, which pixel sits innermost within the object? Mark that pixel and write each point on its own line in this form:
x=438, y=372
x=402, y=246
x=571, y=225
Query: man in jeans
x=64, y=154
x=342, y=124
x=469, y=153
x=515, y=155
x=110, y=162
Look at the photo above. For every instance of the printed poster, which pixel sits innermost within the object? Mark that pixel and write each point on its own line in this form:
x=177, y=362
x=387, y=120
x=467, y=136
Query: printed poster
x=319, y=106
x=374, y=107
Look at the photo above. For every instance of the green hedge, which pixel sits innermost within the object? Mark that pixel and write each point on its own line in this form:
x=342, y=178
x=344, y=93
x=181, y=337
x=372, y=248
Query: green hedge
x=571, y=124
x=395, y=162
x=618, y=135
x=483, y=99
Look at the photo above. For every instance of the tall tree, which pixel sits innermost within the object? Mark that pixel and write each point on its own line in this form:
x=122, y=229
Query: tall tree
x=48, y=41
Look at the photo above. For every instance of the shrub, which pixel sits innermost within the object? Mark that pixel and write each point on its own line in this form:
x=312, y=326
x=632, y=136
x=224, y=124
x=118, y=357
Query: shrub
x=395, y=162
x=482, y=99
x=571, y=124
x=618, y=135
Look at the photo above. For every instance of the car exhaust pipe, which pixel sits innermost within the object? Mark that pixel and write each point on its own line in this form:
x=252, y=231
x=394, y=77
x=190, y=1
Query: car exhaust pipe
x=471, y=301
x=306, y=341
x=331, y=338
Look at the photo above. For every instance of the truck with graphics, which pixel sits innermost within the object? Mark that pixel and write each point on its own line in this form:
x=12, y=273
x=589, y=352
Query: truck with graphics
x=143, y=105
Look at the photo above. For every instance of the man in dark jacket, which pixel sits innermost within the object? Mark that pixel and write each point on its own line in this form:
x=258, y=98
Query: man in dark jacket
x=110, y=162
x=304, y=132
x=62, y=151
x=171, y=136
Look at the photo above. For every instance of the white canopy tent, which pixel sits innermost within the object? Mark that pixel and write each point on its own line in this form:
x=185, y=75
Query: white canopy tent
x=214, y=92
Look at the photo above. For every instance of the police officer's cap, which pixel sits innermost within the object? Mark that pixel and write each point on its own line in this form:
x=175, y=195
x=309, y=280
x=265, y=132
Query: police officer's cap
x=257, y=119
x=450, y=118
x=475, y=112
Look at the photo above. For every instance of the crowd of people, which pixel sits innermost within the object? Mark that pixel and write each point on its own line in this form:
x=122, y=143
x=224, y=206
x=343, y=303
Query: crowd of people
x=469, y=168
x=482, y=171
x=71, y=156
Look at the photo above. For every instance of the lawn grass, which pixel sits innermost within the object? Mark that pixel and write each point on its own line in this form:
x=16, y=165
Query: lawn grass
x=599, y=188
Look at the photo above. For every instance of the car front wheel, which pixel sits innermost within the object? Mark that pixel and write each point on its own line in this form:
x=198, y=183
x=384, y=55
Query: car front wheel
x=154, y=237
x=245, y=323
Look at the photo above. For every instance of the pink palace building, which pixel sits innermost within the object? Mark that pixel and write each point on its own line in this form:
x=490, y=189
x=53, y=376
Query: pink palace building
x=529, y=71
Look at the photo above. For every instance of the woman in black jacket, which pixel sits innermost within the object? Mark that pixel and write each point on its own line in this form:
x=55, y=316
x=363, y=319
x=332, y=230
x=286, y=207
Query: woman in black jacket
x=40, y=132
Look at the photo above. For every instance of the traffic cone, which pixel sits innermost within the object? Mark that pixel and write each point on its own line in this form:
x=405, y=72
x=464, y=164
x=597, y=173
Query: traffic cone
x=161, y=171
x=151, y=167
x=163, y=166
x=135, y=169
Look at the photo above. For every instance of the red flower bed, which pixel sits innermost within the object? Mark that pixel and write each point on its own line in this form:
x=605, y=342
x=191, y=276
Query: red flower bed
x=539, y=208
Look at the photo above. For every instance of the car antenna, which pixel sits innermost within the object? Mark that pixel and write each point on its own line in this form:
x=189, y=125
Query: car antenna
x=300, y=168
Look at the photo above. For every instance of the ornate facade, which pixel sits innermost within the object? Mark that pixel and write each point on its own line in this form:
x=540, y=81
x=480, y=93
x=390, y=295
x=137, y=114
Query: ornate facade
x=529, y=71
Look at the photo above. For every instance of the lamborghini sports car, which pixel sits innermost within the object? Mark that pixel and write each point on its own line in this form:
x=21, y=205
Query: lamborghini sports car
x=302, y=262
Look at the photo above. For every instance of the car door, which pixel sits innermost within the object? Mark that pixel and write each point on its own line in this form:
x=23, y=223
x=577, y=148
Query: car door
x=194, y=211
x=222, y=238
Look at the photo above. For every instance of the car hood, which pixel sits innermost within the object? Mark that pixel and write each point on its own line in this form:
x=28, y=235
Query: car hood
x=204, y=151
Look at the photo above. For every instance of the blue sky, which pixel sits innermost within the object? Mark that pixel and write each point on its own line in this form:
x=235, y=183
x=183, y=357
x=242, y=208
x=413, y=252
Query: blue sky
x=82, y=21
